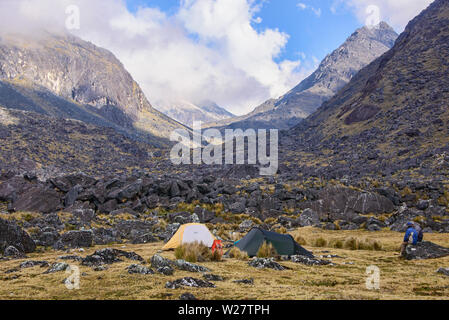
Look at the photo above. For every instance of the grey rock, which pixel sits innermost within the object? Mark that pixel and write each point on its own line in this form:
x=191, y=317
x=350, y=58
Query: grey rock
x=139, y=269
x=187, y=266
x=187, y=297
x=77, y=239
x=33, y=263
x=13, y=235
x=109, y=256
x=262, y=263
x=167, y=270
x=308, y=218
x=189, y=282
x=57, y=267
x=246, y=225
x=444, y=271
x=212, y=277
x=244, y=281
x=425, y=250
x=309, y=261
x=12, y=252
x=158, y=261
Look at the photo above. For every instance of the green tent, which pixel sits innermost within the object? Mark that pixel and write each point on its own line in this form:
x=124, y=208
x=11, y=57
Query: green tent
x=284, y=244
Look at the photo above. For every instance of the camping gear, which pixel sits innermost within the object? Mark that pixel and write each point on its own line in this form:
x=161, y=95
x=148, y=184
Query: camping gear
x=190, y=233
x=284, y=244
x=217, y=245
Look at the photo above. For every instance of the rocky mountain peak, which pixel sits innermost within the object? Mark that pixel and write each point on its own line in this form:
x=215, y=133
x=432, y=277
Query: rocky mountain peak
x=81, y=73
x=335, y=71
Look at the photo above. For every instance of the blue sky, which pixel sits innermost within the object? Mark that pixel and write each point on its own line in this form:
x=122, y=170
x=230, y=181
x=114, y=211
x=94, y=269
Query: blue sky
x=309, y=34
x=237, y=53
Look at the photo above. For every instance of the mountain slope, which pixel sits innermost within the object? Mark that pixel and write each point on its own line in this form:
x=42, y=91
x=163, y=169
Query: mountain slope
x=82, y=74
x=64, y=146
x=187, y=112
x=336, y=70
x=392, y=117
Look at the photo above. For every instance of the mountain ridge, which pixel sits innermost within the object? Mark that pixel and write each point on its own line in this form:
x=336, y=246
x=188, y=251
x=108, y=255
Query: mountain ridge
x=336, y=69
x=391, y=117
x=81, y=73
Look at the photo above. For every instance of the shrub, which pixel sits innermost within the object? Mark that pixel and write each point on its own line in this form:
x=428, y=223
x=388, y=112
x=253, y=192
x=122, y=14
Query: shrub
x=267, y=251
x=351, y=244
x=236, y=253
x=320, y=242
x=337, y=244
x=365, y=244
x=196, y=252
x=300, y=240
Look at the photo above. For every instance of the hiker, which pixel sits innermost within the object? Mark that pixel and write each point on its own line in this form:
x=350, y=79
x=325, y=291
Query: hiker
x=411, y=232
x=419, y=230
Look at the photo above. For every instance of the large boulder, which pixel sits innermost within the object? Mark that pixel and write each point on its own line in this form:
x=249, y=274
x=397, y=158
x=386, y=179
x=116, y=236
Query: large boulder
x=13, y=235
x=341, y=203
x=11, y=188
x=309, y=218
x=425, y=250
x=38, y=199
x=77, y=239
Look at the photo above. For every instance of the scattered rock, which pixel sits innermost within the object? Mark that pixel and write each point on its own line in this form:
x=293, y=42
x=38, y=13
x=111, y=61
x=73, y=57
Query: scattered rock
x=187, y=296
x=262, y=263
x=109, y=256
x=244, y=281
x=33, y=263
x=310, y=261
x=158, y=261
x=212, y=277
x=12, y=252
x=57, y=267
x=187, y=266
x=425, y=250
x=167, y=271
x=71, y=257
x=309, y=218
x=139, y=269
x=189, y=282
x=444, y=271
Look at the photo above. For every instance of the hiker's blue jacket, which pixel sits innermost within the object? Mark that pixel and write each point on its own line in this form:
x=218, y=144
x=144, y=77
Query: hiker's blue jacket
x=413, y=233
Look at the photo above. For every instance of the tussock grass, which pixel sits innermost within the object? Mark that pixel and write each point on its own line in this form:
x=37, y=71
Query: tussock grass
x=300, y=240
x=197, y=252
x=267, y=251
x=362, y=244
x=320, y=242
x=236, y=253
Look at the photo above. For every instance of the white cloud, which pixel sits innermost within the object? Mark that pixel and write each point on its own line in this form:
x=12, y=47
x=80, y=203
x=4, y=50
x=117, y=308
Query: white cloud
x=303, y=6
x=396, y=12
x=207, y=50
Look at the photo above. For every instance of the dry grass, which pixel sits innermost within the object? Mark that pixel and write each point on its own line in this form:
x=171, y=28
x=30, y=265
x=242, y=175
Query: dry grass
x=236, y=253
x=267, y=251
x=197, y=252
x=346, y=280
